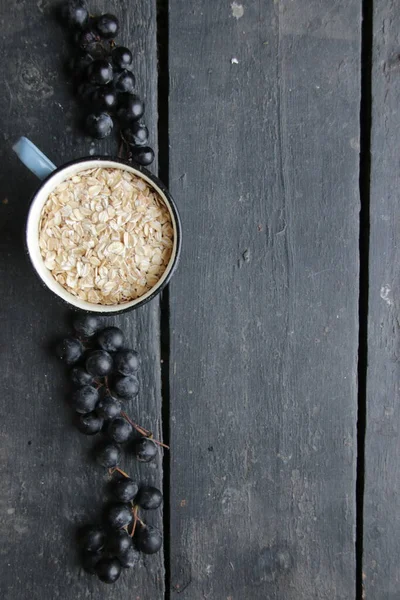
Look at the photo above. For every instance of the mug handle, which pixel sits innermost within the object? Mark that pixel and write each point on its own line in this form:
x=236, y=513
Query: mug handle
x=33, y=158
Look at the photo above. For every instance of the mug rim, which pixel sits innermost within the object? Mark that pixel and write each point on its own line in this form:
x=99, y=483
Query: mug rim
x=172, y=206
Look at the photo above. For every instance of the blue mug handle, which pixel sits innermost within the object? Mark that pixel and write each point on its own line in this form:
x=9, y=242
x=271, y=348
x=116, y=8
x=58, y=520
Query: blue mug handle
x=33, y=158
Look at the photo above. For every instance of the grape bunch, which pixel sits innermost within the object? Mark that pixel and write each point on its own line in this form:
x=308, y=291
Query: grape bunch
x=116, y=542
x=104, y=377
x=104, y=82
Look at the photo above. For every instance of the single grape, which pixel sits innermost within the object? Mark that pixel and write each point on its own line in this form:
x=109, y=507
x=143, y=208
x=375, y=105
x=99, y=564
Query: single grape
x=124, y=490
x=148, y=539
x=110, y=339
x=108, y=407
x=86, y=325
x=100, y=72
x=129, y=558
x=105, y=98
x=118, y=515
x=118, y=542
x=99, y=363
x=126, y=386
x=144, y=155
x=85, y=92
x=107, y=26
x=108, y=454
x=108, y=570
x=69, y=350
x=88, y=41
x=91, y=538
x=131, y=108
x=136, y=134
x=84, y=399
x=79, y=377
x=125, y=82
x=121, y=57
x=80, y=63
x=75, y=13
x=90, y=560
x=149, y=497
x=144, y=449
x=126, y=362
x=99, y=125
x=119, y=430
x=90, y=424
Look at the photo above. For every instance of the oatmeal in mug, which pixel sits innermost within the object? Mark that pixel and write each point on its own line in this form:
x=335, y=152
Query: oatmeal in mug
x=106, y=236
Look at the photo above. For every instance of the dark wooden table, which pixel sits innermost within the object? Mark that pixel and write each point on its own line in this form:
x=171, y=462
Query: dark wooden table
x=271, y=364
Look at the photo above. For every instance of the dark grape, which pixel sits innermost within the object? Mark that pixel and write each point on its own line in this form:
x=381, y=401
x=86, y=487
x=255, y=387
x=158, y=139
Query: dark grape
x=84, y=399
x=126, y=362
x=148, y=539
x=126, y=386
x=118, y=515
x=85, y=92
x=105, y=98
x=110, y=339
x=90, y=424
x=86, y=325
x=129, y=558
x=91, y=538
x=100, y=72
x=108, y=454
x=88, y=41
x=79, y=377
x=99, y=125
x=125, y=82
x=108, y=407
x=136, y=134
x=144, y=155
x=148, y=497
x=108, y=570
x=132, y=108
x=69, y=350
x=144, y=449
x=107, y=26
x=121, y=57
x=99, y=363
x=119, y=430
x=118, y=542
x=90, y=560
x=80, y=63
x=124, y=490
x=75, y=13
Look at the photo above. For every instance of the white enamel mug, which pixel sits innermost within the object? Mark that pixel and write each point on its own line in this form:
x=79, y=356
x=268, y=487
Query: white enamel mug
x=52, y=176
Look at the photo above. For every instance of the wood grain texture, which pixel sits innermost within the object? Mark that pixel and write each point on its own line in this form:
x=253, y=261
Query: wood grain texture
x=381, y=568
x=49, y=484
x=264, y=139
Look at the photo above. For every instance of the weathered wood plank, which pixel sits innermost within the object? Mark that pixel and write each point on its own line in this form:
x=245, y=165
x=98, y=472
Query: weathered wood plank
x=264, y=136
x=48, y=482
x=381, y=568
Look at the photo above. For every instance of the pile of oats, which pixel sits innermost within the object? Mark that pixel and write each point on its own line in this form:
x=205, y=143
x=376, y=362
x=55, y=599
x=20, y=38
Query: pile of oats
x=106, y=236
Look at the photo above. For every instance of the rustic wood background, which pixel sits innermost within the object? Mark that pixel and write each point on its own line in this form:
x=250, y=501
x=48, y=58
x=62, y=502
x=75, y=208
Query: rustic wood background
x=271, y=362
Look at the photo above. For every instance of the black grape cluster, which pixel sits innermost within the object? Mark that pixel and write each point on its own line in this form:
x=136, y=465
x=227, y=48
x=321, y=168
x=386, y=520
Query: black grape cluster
x=116, y=542
x=104, y=376
x=104, y=82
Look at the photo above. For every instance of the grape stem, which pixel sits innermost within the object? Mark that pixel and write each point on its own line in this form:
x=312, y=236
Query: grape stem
x=135, y=520
x=143, y=431
x=121, y=148
x=121, y=472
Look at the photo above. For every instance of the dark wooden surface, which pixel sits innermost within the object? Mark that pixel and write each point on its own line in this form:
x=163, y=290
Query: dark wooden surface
x=382, y=467
x=264, y=139
x=48, y=484
x=260, y=377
